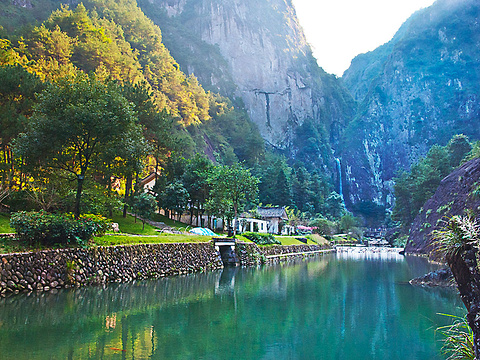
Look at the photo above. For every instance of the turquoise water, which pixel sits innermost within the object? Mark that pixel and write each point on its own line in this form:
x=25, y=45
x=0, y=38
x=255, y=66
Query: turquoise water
x=331, y=307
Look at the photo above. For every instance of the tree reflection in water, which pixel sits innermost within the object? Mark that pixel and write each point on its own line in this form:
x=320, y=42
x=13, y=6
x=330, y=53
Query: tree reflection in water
x=324, y=308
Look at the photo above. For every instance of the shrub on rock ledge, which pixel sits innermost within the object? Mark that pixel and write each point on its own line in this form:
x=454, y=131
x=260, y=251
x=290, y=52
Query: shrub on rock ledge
x=48, y=229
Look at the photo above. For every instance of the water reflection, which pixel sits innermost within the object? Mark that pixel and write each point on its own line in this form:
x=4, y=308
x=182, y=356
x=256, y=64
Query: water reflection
x=333, y=307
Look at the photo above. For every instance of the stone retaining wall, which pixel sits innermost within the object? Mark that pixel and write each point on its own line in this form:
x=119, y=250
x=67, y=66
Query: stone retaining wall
x=279, y=249
x=54, y=269
x=251, y=254
x=45, y=270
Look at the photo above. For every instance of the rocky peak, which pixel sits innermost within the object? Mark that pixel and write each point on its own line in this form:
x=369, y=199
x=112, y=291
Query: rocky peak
x=264, y=51
x=416, y=91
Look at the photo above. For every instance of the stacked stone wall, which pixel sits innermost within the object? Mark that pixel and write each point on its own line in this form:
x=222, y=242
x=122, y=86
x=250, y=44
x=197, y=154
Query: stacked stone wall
x=50, y=269
x=55, y=269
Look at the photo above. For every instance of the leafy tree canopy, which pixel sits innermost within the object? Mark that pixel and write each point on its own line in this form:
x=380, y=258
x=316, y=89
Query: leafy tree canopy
x=75, y=123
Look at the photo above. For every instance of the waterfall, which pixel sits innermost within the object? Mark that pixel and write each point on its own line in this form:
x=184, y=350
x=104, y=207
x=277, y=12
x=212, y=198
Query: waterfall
x=340, y=184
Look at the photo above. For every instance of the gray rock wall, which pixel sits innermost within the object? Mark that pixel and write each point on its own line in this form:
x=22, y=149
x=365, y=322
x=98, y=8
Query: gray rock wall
x=50, y=269
x=281, y=250
x=55, y=269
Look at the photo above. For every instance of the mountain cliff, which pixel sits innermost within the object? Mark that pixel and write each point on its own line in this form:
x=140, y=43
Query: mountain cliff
x=418, y=90
x=457, y=192
x=385, y=113
x=256, y=51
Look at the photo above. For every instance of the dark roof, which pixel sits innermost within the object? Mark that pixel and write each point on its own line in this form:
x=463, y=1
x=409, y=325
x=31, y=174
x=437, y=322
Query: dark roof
x=149, y=178
x=272, y=212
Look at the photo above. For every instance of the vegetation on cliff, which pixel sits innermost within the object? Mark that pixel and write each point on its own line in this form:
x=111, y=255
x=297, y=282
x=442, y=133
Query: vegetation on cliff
x=415, y=92
x=413, y=188
x=458, y=243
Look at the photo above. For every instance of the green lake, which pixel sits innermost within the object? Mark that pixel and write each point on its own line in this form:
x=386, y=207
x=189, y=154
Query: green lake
x=345, y=306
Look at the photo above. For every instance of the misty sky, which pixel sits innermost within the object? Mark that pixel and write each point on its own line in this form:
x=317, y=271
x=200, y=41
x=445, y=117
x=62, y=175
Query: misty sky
x=338, y=30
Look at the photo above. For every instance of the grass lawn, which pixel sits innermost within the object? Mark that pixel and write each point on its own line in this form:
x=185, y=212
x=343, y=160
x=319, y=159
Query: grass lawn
x=5, y=224
x=129, y=226
x=7, y=245
x=169, y=222
x=291, y=240
x=162, y=238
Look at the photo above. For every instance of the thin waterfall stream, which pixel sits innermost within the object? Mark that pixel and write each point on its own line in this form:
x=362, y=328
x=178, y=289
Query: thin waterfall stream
x=340, y=183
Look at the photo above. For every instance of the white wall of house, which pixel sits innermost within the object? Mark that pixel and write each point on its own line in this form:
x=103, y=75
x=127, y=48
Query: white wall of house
x=148, y=187
x=288, y=230
x=247, y=224
x=274, y=225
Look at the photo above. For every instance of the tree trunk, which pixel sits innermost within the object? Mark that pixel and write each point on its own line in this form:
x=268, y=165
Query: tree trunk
x=128, y=189
x=80, y=180
x=235, y=220
x=465, y=270
x=198, y=213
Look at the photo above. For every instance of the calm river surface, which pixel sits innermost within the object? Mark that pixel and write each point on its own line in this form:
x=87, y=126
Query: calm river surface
x=331, y=307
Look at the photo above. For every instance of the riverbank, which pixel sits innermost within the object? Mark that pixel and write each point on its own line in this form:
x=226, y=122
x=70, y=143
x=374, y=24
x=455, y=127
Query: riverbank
x=54, y=269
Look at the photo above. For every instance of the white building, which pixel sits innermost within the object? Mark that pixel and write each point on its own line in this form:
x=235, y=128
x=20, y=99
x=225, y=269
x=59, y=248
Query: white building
x=253, y=225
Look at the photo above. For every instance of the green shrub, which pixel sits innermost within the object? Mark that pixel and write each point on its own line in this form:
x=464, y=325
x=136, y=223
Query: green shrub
x=261, y=239
x=48, y=229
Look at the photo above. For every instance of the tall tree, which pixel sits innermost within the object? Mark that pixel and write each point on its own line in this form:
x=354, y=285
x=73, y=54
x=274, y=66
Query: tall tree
x=236, y=185
x=17, y=96
x=195, y=179
x=173, y=198
x=75, y=122
x=144, y=205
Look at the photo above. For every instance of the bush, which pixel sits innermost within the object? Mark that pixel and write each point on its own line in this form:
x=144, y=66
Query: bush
x=261, y=239
x=322, y=226
x=48, y=229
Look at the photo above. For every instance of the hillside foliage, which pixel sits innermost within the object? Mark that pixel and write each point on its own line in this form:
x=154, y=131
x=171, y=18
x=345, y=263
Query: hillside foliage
x=58, y=73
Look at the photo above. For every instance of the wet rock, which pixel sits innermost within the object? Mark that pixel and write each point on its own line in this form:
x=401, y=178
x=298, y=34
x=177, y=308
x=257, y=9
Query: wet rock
x=441, y=278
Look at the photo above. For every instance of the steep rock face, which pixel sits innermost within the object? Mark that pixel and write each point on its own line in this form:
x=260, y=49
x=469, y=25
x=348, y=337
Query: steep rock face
x=457, y=193
x=260, y=48
x=418, y=90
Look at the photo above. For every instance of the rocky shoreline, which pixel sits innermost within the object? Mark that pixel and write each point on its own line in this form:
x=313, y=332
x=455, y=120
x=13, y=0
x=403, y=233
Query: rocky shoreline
x=438, y=278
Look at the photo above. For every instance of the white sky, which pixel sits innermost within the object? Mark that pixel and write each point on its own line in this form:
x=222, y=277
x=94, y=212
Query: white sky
x=338, y=30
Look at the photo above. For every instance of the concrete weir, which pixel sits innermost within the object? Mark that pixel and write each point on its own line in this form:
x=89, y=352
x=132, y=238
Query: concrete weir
x=226, y=248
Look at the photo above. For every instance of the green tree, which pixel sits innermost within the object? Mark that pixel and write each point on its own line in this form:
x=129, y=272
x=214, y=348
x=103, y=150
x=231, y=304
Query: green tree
x=458, y=147
x=323, y=226
x=301, y=189
x=234, y=184
x=195, y=179
x=75, y=122
x=144, y=205
x=17, y=97
x=413, y=188
x=173, y=198
x=334, y=206
x=350, y=224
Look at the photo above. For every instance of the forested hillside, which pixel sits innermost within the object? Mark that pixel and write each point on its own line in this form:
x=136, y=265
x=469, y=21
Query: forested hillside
x=115, y=43
x=243, y=86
